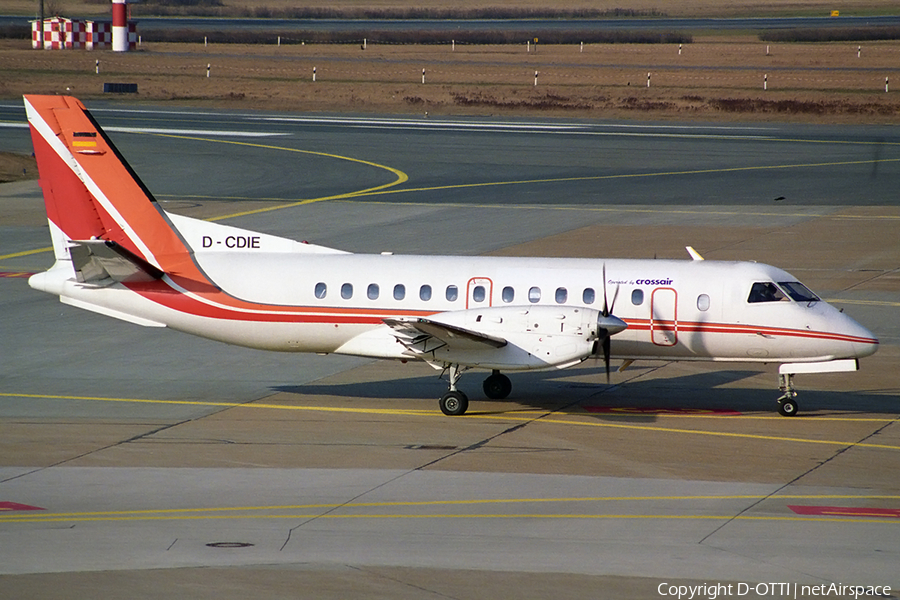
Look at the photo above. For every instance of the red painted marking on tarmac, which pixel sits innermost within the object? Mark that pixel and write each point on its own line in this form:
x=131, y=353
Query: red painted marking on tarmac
x=12, y=274
x=846, y=511
x=631, y=410
x=8, y=506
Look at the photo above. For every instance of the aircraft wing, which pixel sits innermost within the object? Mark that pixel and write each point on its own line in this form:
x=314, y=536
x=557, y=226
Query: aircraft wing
x=421, y=336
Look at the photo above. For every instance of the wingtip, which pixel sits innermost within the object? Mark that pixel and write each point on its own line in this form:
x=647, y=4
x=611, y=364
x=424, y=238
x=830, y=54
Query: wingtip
x=694, y=254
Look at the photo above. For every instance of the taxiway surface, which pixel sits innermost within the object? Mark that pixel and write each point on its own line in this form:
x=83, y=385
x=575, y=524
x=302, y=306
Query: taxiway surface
x=161, y=465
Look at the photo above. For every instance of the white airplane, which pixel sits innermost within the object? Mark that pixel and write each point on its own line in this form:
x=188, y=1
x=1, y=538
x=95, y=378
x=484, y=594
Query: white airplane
x=120, y=254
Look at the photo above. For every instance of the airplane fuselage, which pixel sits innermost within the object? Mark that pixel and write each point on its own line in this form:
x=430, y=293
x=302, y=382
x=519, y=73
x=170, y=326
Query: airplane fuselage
x=336, y=303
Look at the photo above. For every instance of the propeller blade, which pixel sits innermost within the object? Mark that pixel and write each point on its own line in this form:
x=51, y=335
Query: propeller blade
x=605, y=311
x=606, y=356
x=608, y=324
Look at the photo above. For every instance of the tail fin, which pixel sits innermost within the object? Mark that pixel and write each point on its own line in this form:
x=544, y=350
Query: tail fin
x=90, y=191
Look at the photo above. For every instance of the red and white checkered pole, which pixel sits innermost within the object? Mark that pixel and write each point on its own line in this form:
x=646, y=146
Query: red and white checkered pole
x=119, y=26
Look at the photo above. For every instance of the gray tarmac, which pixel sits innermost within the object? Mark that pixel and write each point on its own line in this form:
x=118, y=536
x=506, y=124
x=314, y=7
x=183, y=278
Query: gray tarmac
x=160, y=465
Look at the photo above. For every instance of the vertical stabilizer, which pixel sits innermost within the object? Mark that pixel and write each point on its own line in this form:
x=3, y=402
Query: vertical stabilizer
x=91, y=192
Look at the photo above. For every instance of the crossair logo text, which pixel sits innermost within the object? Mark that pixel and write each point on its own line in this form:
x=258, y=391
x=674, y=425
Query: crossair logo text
x=640, y=281
x=653, y=282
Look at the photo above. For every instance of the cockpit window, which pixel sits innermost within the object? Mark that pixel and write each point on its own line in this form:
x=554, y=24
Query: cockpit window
x=797, y=291
x=765, y=291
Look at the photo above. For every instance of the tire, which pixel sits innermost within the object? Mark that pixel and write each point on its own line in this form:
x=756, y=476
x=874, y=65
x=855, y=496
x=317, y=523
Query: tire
x=497, y=386
x=454, y=404
x=787, y=407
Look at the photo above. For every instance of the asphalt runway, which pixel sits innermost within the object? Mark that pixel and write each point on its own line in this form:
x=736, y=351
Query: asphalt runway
x=144, y=463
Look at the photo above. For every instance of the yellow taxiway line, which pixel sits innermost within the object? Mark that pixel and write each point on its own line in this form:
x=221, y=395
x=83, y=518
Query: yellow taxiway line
x=516, y=416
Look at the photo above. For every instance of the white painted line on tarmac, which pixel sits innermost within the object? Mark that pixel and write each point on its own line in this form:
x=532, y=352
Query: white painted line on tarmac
x=423, y=123
x=164, y=131
x=603, y=129
x=207, y=132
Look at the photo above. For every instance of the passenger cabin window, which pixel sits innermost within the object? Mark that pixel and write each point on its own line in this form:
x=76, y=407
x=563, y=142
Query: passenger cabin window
x=478, y=293
x=508, y=294
x=637, y=297
x=534, y=295
x=372, y=291
x=588, y=296
x=321, y=290
x=452, y=293
x=399, y=291
x=347, y=291
x=703, y=302
x=765, y=291
x=562, y=294
x=798, y=292
x=425, y=293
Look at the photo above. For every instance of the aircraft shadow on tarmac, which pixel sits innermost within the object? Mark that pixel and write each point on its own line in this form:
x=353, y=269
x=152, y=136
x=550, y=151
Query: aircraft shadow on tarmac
x=637, y=401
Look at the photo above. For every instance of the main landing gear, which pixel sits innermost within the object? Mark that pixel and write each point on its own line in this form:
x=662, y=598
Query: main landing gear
x=496, y=387
x=787, y=404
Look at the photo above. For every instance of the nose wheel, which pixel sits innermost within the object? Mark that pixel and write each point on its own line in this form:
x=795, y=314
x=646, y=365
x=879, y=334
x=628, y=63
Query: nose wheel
x=787, y=404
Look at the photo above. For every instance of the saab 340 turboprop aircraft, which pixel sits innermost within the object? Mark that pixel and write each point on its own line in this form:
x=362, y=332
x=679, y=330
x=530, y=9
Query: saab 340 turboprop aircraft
x=120, y=254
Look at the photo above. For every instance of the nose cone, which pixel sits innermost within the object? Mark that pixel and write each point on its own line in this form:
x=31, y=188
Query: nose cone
x=868, y=347
x=862, y=341
x=612, y=324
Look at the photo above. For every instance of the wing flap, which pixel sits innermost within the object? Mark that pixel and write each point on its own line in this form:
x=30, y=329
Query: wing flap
x=421, y=336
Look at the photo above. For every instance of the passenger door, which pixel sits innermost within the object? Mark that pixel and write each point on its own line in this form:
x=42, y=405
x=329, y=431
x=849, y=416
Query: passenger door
x=664, y=317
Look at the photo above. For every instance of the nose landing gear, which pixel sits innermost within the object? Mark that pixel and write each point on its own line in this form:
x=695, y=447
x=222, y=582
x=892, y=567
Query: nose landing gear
x=787, y=404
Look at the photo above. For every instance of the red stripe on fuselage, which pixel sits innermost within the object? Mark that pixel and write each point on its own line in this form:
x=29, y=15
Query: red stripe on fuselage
x=203, y=300
x=219, y=305
x=701, y=327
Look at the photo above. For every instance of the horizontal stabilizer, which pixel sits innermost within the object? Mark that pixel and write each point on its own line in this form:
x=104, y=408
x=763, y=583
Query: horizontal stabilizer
x=96, y=260
x=110, y=312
